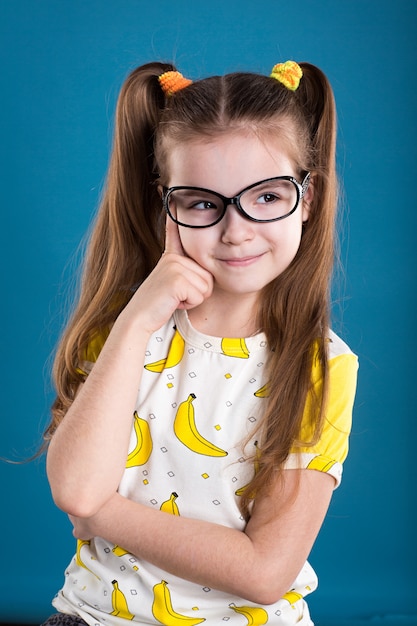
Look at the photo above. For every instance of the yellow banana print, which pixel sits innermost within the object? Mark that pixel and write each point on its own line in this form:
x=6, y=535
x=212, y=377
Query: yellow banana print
x=78, y=559
x=170, y=506
x=255, y=615
x=142, y=451
x=235, y=347
x=119, y=604
x=292, y=597
x=119, y=551
x=162, y=609
x=186, y=430
x=263, y=392
x=175, y=354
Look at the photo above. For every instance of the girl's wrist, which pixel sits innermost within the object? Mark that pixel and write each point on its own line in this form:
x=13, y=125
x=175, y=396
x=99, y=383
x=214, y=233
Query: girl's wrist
x=135, y=326
x=105, y=521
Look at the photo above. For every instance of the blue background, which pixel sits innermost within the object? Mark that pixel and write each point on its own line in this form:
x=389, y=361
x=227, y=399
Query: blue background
x=62, y=64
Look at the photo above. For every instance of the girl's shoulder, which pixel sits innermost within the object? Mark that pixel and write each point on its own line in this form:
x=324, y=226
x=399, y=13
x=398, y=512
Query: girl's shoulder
x=342, y=362
x=337, y=346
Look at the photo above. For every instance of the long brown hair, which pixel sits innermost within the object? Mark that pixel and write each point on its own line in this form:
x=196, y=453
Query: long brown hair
x=127, y=238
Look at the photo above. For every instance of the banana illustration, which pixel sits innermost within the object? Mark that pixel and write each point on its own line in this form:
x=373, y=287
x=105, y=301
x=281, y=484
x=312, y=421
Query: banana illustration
x=119, y=604
x=170, y=506
x=119, y=551
x=186, y=430
x=292, y=597
x=321, y=463
x=78, y=559
x=235, y=347
x=263, y=392
x=175, y=354
x=241, y=490
x=142, y=451
x=255, y=615
x=162, y=609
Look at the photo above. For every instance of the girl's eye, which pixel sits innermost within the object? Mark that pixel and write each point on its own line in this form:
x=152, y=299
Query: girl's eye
x=204, y=205
x=267, y=198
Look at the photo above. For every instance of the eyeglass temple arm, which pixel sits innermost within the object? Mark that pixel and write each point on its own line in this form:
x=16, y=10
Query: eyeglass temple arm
x=305, y=184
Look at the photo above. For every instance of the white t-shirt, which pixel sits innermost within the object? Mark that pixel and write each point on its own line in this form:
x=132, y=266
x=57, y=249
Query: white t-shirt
x=200, y=399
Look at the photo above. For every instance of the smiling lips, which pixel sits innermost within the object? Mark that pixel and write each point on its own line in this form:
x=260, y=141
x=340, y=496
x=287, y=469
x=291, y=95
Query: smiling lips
x=241, y=261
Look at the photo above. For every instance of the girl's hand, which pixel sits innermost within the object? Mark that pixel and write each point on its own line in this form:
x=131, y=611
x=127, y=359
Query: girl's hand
x=93, y=438
x=176, y=282
x=81, y=527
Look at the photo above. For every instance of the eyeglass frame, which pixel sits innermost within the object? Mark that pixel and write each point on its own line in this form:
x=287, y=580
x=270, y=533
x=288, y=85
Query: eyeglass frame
x=235, y=200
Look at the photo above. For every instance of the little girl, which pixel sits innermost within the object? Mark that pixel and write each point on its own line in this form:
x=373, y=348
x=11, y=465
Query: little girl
x=203, y=403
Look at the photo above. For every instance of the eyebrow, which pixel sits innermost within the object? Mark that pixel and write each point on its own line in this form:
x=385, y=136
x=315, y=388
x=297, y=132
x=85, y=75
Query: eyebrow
x=190, y=188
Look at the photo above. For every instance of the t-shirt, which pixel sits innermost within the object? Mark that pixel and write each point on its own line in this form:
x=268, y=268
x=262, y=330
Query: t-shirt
x=199, y=402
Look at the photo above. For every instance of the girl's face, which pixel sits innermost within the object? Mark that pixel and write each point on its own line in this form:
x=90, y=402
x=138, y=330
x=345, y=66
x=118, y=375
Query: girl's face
x=243, y=256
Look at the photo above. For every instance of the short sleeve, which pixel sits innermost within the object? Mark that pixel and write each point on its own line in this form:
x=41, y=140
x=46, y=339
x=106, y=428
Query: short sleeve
x=330, y=451
x=92, y=351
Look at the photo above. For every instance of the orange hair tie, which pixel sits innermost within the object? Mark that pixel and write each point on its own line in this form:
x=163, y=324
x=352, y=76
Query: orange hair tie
x=288, y=73
x=173, y=81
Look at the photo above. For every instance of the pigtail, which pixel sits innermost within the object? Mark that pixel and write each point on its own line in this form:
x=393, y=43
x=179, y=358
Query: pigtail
x=132, y=195
x=127, y=238
x=317, y=250
x=129, y=221
x=317, y=101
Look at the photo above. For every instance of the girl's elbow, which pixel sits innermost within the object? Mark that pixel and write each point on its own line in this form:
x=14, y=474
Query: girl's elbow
x=74, y=500
x=75, y=497
x=73, y=505
x=264, y=594
x=266, y=587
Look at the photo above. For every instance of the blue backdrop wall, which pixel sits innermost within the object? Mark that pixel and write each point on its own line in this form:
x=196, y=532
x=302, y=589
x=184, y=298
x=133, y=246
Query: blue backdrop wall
x=62, y=63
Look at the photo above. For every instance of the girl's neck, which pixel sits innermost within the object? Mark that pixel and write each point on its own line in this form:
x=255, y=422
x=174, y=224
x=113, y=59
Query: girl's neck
x=232, y=316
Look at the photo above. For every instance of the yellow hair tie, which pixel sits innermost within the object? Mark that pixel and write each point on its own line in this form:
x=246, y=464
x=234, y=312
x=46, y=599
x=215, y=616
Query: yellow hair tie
x=288, y=73
x=173, y=81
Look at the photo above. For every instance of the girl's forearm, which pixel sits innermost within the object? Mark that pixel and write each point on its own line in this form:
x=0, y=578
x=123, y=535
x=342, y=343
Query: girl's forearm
x=188, y=548
x=87, y=454
x=202, y=552
x=259, y=564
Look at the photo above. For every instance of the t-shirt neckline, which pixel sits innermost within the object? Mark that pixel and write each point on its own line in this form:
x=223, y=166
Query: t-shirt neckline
x=211, y=343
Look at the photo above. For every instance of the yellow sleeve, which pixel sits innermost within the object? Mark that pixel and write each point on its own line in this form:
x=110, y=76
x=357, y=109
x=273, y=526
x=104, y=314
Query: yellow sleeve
x=328, y=454
x=91, y=352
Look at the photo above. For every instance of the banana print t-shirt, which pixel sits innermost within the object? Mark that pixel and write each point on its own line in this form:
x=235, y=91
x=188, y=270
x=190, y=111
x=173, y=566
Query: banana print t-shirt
x=199, y=401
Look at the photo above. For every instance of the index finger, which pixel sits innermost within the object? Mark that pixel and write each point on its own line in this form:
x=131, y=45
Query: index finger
x=172, y=237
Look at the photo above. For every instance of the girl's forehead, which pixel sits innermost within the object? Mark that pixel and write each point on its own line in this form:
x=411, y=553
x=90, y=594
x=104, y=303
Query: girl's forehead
x=278, y=140
x=228, y=162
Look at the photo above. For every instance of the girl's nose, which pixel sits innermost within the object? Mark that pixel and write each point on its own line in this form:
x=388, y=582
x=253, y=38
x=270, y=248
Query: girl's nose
x=236, y=228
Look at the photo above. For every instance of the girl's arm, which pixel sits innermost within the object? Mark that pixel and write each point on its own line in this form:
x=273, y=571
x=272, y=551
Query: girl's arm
x=87, y=454
x=259, y=564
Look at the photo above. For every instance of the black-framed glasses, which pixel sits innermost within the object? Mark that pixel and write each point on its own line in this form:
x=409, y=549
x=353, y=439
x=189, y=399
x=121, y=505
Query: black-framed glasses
x=268, y=200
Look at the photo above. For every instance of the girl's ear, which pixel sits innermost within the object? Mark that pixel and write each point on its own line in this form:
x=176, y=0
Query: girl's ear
x=307, y=200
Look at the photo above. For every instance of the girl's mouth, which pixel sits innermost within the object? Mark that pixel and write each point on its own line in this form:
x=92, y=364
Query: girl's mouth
x=241, y=261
